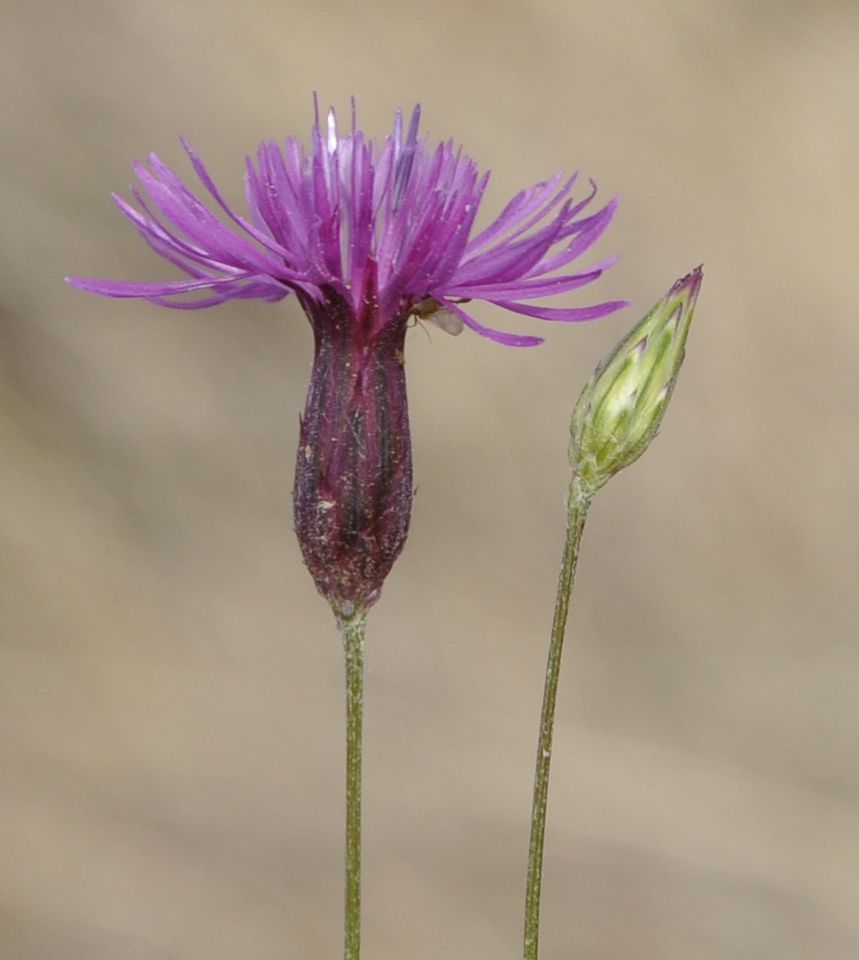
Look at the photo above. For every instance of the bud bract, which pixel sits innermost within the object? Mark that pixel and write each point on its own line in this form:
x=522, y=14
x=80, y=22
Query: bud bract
x=620, y=410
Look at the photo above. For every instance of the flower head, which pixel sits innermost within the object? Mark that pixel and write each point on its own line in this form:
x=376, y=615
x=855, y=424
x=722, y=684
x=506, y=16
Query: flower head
x=365, y=237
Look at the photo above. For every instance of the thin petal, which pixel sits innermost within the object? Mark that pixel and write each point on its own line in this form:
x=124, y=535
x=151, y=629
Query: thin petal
x=209, y=184
x=565, y=315
x=520, y=207
x=131, y=289
x=530, y=289
x=499, y=336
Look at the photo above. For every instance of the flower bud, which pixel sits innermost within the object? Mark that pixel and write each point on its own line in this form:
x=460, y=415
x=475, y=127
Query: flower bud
x=620, y=410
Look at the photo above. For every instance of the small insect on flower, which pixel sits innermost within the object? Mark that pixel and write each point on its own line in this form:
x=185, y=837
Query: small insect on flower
x=430, y=309
x=366, y=237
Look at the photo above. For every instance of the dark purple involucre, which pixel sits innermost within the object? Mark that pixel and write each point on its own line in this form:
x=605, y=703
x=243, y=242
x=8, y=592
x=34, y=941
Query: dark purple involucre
x=365, y=237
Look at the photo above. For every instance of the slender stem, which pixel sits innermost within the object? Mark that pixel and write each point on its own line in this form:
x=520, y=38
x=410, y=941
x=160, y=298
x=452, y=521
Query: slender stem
x=577, y=509
x=352, y=631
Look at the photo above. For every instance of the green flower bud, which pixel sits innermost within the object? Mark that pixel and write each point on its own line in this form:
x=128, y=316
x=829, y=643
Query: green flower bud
x=620, y=410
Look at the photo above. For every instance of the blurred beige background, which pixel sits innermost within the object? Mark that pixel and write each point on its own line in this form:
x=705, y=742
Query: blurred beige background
x=170, y=683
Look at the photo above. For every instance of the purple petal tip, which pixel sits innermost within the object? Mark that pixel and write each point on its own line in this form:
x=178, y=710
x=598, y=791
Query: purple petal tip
x=691, y=282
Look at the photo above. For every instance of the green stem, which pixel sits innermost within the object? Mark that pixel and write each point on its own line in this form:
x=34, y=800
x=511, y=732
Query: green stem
x=352, y=631
x=577, y=510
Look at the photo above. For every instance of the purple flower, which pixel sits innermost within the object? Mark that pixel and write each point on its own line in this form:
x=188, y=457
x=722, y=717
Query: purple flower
x=365, y=237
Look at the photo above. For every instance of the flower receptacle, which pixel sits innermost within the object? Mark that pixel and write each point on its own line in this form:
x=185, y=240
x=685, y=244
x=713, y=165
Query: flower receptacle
x=353, y=476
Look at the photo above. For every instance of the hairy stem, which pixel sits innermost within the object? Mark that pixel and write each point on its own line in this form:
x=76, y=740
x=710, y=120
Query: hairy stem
x=577, y=509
